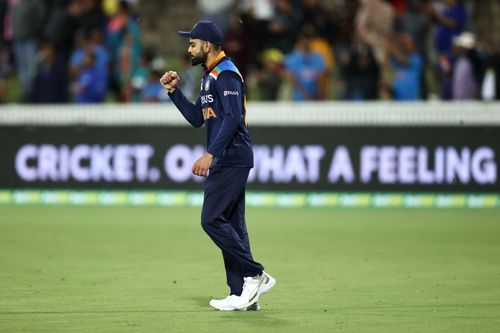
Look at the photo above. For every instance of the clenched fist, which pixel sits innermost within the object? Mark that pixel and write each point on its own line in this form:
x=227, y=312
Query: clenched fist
x=169, y=81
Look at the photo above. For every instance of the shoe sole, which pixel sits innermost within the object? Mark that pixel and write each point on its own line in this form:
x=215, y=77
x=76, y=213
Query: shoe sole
x=253, y=307
x=223, y=309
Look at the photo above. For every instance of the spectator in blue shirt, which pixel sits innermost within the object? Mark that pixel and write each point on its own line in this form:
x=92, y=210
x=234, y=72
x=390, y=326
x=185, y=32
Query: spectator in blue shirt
x=91, y=41
x=304, y=68
x=90, y=85
x=450, y=23
x=407, y=64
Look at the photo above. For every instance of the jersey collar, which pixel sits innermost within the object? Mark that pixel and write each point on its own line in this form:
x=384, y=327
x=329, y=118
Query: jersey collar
x=217, y=59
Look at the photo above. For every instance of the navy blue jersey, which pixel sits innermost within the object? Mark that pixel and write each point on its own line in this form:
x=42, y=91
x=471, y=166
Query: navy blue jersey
x=221, y=107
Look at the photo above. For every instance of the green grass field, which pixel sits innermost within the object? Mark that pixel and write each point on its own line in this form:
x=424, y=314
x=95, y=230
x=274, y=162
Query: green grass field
x=140, y=269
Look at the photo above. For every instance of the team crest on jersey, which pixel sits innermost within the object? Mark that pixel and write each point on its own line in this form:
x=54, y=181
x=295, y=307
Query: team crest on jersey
x=207, y=85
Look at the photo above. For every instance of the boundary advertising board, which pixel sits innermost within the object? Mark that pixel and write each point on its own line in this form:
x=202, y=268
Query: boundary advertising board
x=331, y=159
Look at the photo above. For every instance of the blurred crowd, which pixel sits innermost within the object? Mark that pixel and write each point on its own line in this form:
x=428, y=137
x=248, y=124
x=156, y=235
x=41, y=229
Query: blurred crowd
x=91, y=51
x=80, y=51
x=402, y=50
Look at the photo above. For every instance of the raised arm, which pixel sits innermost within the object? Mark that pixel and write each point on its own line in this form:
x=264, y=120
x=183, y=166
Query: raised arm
x=190, y=111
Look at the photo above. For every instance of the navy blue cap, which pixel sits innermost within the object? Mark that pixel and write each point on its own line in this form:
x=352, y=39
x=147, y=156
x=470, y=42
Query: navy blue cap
x=205, y=30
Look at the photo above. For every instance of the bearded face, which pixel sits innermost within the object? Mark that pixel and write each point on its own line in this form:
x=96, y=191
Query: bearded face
x=197, y=52
x=198, y=58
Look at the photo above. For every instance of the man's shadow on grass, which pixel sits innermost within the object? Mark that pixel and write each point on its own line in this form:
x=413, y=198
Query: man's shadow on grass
x=264, y=318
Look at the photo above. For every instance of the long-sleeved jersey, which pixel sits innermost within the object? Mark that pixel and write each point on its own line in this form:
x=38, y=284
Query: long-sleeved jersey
x=221, y=107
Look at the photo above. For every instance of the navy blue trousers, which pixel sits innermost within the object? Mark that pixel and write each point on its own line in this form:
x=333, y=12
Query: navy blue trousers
x=223, y=219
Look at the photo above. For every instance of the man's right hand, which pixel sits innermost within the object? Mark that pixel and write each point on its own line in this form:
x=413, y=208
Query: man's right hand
x=169, y=81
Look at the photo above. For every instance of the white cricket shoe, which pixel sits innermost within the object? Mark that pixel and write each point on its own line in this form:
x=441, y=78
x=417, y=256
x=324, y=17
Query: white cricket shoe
x=226, y=305
x=253, y=287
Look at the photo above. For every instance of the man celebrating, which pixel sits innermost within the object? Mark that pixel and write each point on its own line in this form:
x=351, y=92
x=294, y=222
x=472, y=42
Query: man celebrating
x=227, y=162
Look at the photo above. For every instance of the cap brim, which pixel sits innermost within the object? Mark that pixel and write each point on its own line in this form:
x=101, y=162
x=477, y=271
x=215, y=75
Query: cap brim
x=186, y=34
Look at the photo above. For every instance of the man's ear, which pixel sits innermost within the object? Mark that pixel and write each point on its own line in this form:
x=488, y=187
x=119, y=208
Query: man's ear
x=207, y=47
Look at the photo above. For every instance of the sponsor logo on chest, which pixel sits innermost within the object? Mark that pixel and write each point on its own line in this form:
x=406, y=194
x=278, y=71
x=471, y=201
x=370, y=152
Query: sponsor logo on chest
x=205, y=99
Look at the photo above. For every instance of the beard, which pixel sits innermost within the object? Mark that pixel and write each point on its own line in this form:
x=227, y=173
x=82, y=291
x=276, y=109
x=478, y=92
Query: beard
x=198, y=58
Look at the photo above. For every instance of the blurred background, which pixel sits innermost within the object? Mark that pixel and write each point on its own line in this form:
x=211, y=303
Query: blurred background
x=98, y=51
